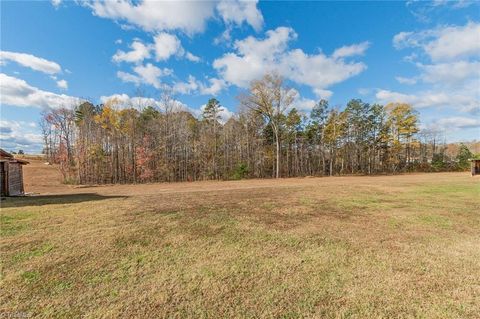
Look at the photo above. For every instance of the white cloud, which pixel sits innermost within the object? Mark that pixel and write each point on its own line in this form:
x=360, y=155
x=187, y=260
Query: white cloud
x=186, y=87
x=238, y=12
x=424, y=99
x=453, y=42
x=323, y=94
x=128, y=77
x=351, y=50
x=188, y=16
x=167, y=45
x=191, y=57
x=275, y=42
x=17, y=92
x=145, y=74
x=364, y=91
x=455, y=4
x=444, y=43
x=62, y=84
x=254, y=57
x=56, y=3
x=319, y=71
x=151, y=74
x=464, y=101
x=404, y=39
x=226, y=37
x=411, y=57
x=404, y=80
x=30, y=61
x=458, y=122
x=425, y=11
x=225, y=115
x=460, y=3
x=451, y=73
x=138, y=53
x=304, y=105
x=20, y=135
x=452, y=124
x=213, y=87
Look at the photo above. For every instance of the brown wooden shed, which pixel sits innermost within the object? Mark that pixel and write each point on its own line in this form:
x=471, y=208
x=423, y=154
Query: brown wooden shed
x=11, y=175
x=475, y=166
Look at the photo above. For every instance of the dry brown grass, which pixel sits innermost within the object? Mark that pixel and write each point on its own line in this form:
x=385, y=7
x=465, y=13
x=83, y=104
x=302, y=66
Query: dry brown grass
x=346, y=247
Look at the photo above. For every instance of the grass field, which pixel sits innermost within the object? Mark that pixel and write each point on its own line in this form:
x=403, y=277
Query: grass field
x=344, y=247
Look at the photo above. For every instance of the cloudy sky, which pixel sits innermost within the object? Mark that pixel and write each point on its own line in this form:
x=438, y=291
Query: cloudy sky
x=56, y=53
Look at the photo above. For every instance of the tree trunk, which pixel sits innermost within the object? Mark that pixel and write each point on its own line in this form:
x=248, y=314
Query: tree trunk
x=277, y=175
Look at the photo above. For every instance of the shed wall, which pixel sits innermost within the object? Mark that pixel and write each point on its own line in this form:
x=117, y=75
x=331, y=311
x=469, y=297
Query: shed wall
x=15, y=179
x=3, y=177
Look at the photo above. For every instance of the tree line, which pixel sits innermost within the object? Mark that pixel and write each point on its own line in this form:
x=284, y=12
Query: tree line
x=268, y=137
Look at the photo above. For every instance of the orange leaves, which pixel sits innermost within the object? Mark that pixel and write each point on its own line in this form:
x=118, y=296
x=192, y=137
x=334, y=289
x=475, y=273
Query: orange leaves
x=144, y=159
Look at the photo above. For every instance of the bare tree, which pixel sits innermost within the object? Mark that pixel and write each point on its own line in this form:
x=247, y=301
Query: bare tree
x=270, y=97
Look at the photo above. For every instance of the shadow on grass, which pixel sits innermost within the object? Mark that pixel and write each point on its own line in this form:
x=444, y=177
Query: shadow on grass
x=53, y=199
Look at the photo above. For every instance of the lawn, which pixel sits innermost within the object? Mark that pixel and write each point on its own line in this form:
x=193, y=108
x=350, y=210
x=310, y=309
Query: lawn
x=343, y=247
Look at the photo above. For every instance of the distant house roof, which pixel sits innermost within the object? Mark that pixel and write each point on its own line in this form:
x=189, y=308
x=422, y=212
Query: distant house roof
x=7, y=157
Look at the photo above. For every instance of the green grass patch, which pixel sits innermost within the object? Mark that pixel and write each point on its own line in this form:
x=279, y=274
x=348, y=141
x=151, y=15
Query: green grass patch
x=463, y=190
x=30, y=276
x=13, y=224
x=61, y=286
x=35, y=252
x=435, y=220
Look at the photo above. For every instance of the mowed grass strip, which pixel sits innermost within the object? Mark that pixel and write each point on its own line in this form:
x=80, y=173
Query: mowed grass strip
x=386, y=247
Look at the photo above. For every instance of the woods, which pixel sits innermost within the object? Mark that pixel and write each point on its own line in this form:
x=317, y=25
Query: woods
x=268, y=137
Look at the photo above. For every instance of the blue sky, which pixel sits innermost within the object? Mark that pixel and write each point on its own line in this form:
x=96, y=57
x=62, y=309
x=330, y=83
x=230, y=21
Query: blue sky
x=54, y=54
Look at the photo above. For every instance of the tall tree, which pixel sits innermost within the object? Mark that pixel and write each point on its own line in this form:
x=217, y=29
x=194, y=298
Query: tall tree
x=270, y=97
x=334, y=132
x=293, y=127
x=319, y=117
x=403, y=122
x=211, y=115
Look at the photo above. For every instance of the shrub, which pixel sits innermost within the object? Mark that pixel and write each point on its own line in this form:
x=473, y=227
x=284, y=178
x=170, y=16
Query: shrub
x=438, y=163
x=241, y=171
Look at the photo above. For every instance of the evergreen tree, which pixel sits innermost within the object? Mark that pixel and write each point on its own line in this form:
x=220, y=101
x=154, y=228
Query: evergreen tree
x=463, y=157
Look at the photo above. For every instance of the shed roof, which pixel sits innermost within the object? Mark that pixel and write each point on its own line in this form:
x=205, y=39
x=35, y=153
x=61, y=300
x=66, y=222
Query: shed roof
x=5, y=154
x=7, y=157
